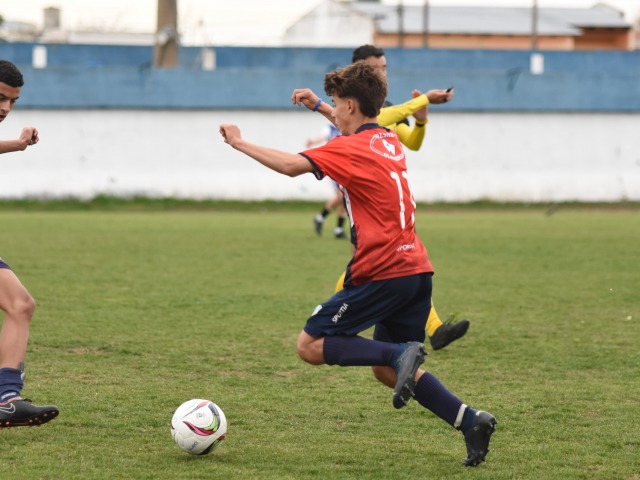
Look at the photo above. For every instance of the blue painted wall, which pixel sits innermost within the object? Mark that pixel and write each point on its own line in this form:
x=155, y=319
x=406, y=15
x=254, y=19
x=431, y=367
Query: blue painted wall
x=93, y=76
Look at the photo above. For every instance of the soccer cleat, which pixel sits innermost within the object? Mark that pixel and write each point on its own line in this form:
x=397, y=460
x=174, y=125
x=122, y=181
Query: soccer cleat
x=406, y=368
x=318, y=220
x=477, y=438
x=20, y=412
x=447, y=333
x=339, y=233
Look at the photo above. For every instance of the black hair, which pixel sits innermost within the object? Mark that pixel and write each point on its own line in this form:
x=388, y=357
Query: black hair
x=10, y=74
x=365, y=51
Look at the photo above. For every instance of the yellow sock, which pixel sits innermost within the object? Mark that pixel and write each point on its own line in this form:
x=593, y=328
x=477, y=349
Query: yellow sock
x=340, y=284
x=433, y=322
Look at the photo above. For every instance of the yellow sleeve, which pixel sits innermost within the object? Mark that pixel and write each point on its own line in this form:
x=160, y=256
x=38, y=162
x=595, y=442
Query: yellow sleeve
x=395, y=113
x=411, y=137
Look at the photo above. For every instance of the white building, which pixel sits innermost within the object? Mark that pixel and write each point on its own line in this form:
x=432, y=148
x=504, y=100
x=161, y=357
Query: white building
x=335, y=23
x=331, y=24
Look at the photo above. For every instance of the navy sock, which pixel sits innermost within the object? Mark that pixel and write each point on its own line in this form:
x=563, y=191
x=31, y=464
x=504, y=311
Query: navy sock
x=433, y=395
x=10, y=383
x=467, y=419
x=354, y=351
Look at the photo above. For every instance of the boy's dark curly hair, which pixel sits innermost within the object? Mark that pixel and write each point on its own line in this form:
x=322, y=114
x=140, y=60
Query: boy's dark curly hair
x=361, y=82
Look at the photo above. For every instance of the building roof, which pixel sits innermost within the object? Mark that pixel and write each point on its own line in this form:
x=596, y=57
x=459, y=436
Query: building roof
x=491, y=20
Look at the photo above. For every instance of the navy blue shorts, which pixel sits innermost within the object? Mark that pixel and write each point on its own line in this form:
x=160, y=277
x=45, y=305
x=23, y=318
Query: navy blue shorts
x=398, y=308
x=3, y=264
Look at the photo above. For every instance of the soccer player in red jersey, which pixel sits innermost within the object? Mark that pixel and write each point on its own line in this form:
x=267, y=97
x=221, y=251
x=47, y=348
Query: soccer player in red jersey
x=388, y=281
x=394, y=117
x=15, y=301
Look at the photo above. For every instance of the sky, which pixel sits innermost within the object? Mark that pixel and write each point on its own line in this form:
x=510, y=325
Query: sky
x=228, y=21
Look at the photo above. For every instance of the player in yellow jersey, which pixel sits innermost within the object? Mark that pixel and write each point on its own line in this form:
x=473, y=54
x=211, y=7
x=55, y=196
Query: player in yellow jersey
x=395, y=117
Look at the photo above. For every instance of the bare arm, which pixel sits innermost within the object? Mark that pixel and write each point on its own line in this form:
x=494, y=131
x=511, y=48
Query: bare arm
x=29, y=136
x=290, y=164
x=306, y=97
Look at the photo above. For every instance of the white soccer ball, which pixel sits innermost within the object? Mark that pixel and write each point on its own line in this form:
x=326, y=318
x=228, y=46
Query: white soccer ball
x=199, y=426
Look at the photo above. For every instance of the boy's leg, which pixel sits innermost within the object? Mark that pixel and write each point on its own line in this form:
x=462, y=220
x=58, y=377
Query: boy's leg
x=331, y=333
x=331, y=204
x=342, y=217
x=351, y=351
x=477, y=426
x=18, y=307
x=344, y=351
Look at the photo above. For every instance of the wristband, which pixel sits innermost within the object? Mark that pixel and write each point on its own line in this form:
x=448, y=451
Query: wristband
x=315, y=109
x=421, y=124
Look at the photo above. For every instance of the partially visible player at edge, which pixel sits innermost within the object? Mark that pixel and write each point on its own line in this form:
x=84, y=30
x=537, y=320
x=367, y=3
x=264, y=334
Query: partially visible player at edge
x=390, y=272
x=15, y=301
x=395, y=117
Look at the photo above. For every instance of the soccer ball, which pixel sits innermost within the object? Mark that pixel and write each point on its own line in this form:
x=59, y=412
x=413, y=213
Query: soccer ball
x=199, y=426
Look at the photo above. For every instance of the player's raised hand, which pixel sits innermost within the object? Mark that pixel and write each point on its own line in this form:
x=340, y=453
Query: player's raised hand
x=420, y=115
x=230, y=133
x=29, y=136
x=440, y=96
x=306, y=97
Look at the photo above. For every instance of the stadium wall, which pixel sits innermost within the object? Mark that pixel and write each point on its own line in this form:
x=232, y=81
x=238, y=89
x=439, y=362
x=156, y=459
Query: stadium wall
x=99, y=76
x=112, y=124
x=524, y=157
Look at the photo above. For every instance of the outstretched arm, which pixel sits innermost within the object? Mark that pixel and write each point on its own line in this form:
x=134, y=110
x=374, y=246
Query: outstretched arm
x=29, y=136
x=290, y=164
x=396, y=113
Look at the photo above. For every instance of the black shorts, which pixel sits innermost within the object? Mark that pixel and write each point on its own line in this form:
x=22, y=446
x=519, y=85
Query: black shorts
x=398, y=307
x=4, y=264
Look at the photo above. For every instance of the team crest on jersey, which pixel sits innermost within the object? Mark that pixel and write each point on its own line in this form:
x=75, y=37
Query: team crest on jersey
x=382, y=146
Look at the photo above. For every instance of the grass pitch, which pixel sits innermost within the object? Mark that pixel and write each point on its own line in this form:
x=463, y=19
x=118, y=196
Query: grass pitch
x=139, y=311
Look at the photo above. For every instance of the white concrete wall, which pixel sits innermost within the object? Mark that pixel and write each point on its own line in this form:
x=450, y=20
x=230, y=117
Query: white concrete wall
x=503, y=157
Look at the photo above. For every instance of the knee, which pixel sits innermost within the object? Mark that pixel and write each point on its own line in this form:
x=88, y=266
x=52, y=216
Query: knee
x=22, y=307
x=307, y=347
x=307, y=354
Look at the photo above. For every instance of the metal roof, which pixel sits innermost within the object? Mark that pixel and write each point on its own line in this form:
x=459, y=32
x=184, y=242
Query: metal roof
x=491, y=20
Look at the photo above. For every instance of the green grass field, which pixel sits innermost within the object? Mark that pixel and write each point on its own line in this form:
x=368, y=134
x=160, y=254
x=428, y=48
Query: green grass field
x=139, y=311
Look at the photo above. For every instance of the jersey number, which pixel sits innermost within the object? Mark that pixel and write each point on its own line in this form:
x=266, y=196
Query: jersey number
x=398, y=180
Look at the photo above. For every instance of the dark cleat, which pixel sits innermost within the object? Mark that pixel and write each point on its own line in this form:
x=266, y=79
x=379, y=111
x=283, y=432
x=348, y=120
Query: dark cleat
x=339, y=233
x=477, y=438
x=318, y=221
x=447, y=333
x=19, y=412
x=406, y=368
